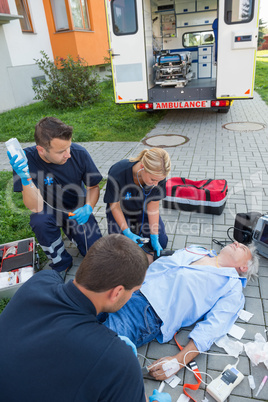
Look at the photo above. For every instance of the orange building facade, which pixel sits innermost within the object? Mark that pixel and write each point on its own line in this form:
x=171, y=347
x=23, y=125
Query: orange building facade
x=77, y=27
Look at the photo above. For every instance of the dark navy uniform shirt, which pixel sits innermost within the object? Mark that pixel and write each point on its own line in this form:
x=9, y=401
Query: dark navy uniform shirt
x=121, y=187
x=62, y=186
x=53, y=349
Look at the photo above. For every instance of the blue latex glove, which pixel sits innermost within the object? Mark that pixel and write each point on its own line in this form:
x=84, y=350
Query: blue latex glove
x=129, y=343
x=82, y=214
x=160, y=396
x=127, y=232
x=18, y=167
x=155, y=244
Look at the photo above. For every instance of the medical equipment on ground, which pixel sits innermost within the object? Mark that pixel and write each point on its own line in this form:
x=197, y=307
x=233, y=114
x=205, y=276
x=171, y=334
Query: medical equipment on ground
x=222, y=386
x=260, y=235
x=19, y=262
x=251, y=382
x=244, y=226
x=261, y=385
x=205, y=196
x=194, y=368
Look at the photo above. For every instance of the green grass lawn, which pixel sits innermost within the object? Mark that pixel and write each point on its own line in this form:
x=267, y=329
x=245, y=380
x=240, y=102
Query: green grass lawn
x=102, y=121
x=14, y=217
x=261, y=80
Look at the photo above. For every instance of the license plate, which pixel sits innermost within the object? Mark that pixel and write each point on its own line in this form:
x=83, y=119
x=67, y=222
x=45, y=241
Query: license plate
x=200, y=104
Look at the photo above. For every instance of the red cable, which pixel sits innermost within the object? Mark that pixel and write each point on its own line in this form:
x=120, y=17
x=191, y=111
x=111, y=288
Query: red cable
x=196, y=372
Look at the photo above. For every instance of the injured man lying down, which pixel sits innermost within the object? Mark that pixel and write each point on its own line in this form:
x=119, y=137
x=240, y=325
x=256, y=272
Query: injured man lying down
x=192, y=285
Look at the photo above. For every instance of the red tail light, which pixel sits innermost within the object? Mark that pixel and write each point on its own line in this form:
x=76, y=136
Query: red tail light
x=220, y=103
x=145, y=106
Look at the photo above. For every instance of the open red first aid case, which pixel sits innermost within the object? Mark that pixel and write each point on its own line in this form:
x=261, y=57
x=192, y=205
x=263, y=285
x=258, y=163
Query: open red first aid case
x=16, y=266
x=206, y=196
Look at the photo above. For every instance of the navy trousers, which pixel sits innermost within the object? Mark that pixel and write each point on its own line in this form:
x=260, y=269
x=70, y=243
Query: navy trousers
x=47, y=227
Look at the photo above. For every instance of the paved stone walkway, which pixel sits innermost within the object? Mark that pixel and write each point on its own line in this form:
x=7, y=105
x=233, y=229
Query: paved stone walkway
x=240, y=157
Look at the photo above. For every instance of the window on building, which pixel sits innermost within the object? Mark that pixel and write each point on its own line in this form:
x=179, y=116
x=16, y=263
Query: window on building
x=124, y=17
x=60, y=15
x=77, y=11
x=238, y=11
x=80, y=14
x=192, y=39
x=23, y=9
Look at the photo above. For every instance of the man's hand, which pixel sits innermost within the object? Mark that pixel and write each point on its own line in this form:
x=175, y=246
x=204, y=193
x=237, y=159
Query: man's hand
x=164, y=368
x=127, y=232
x=82, y=214
x=160, y=397
x=21, y=168
x=155, y=244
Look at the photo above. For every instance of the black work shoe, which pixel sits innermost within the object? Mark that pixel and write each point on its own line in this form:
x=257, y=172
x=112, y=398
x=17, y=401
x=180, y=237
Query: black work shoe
x=65, y=272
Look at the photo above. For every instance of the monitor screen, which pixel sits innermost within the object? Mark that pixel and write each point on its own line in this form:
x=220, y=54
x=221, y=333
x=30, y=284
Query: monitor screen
x=264, y=235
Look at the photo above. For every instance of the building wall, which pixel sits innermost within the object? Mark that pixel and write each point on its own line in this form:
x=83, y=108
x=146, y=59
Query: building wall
x=24, y=47
x=18, y=51
x=92, y=46
x=7, y=99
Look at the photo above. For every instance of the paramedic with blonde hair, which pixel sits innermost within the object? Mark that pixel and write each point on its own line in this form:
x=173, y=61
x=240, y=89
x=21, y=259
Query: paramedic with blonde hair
x=133, y=192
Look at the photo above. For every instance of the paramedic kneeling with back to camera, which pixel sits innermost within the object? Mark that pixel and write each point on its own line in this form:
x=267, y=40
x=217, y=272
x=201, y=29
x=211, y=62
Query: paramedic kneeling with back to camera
x=133, y=192
x=59, y=172
x=192, y=284
x=52, y=347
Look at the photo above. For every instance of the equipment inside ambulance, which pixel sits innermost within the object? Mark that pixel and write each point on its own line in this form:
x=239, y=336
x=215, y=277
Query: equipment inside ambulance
x=182, y=54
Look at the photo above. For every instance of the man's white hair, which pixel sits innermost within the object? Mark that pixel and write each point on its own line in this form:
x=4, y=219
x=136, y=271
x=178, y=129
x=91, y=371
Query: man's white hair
x=253, y=264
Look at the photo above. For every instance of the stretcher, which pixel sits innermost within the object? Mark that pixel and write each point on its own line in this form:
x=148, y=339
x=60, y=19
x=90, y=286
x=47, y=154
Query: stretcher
x=173, y=68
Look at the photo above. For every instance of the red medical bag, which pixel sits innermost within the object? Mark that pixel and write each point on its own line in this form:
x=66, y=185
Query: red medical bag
x=206, y=196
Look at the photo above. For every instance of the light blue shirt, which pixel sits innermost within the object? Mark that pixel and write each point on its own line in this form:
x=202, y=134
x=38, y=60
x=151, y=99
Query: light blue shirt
x=182, y=294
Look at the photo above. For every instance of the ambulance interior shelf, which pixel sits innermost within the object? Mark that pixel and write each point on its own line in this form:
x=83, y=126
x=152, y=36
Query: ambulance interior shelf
x=173, y=68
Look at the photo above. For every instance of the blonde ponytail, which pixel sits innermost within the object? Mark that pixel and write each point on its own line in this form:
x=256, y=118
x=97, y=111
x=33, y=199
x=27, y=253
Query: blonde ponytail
x=156, y=161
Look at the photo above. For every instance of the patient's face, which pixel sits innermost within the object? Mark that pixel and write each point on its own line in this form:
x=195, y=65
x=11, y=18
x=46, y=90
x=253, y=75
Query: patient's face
x=236, y=255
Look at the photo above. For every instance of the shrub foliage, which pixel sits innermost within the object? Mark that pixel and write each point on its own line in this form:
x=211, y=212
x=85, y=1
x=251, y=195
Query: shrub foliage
x=68, y=83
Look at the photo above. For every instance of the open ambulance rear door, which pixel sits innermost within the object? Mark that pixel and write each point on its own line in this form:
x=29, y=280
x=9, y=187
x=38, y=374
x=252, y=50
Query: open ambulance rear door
x=127, y=50
x=237, y=48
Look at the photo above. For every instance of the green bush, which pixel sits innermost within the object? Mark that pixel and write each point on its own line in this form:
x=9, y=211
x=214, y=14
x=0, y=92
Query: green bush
x=3, y=303
x=69, y=83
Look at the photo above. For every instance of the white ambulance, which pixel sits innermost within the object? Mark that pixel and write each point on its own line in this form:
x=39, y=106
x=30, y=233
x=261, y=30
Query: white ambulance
x=182, y=54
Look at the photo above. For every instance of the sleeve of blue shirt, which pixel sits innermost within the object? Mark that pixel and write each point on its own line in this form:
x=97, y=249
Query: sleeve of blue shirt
x=92, y=176
x=219, y=320
x=113, y=187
